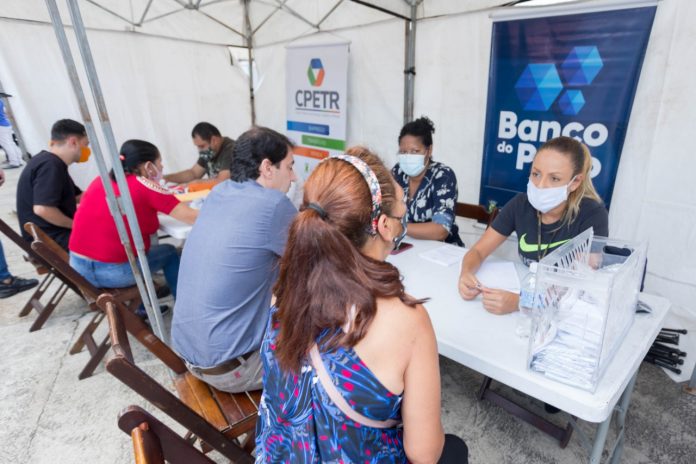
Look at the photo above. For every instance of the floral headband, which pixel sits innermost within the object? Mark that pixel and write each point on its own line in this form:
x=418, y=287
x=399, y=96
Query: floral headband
x=372, y=183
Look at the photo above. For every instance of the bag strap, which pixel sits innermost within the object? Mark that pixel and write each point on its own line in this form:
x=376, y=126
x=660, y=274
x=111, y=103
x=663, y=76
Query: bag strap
x=338, y=398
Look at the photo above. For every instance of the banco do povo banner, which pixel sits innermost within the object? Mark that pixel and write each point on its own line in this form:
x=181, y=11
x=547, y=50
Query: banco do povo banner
x=572, y=75
x=317, y=101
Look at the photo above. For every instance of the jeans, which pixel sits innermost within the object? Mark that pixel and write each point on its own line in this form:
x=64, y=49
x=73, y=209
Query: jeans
x=4, y=271
x=119, y=275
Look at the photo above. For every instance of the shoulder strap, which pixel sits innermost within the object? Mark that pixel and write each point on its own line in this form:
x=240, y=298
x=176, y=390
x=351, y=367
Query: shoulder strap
x=339, y=400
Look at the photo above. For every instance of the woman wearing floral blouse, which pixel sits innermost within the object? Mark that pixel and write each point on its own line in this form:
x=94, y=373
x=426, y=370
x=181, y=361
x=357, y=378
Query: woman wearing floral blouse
x=430, y=187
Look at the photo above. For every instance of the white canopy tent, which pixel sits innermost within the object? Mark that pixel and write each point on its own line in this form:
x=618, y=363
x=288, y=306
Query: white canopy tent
x=166, y=64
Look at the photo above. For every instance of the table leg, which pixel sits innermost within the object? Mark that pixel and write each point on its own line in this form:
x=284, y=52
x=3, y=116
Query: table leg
x=601, y=436
x=691, y=387
x=622, y=408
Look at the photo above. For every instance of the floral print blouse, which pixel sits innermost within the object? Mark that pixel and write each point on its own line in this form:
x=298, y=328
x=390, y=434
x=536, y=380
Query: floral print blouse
x=435, y=199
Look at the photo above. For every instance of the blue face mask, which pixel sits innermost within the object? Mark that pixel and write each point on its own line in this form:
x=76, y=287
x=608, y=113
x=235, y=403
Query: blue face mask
x=411, y=164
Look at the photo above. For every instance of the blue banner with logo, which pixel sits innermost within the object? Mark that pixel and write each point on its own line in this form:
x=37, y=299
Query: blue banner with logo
x=572, y=75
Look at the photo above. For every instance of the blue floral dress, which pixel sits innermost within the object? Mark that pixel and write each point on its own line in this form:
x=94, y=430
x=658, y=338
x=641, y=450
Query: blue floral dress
x=298, y=422
x=435, y=199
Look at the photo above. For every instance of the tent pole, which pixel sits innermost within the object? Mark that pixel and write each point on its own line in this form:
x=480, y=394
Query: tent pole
x=15, y=127
x=249, y=37
x=70, y=66
x=410, y=61
x=149, y=297
x=125, y=204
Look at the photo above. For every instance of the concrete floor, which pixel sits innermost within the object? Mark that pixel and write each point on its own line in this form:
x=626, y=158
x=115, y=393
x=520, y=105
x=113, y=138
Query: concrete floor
x=48, y=416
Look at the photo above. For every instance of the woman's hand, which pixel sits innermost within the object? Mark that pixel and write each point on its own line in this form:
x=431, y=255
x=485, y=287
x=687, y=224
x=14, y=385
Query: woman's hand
x=497, y=301
x=469, y=286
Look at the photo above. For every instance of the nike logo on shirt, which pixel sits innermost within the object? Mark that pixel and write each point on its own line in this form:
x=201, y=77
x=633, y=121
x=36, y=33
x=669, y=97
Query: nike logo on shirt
x=529, y=248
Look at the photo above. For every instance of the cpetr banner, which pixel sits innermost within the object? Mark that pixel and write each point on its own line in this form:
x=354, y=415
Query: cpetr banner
x=572, y=75
x=317, y=101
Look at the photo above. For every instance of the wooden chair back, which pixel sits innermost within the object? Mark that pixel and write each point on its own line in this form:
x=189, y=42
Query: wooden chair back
x=216, y=417
x=477, y=212
x=154, y=442
x=41, y=266
x=57, y=257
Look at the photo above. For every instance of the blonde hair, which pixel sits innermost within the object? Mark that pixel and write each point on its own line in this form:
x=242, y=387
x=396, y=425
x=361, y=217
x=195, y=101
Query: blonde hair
x=581, y=159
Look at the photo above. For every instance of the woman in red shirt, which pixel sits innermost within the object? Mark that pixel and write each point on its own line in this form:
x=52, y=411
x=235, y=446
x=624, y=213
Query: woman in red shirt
x=96, y=251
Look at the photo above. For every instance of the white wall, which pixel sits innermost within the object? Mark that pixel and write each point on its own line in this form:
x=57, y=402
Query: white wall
x=155, y=89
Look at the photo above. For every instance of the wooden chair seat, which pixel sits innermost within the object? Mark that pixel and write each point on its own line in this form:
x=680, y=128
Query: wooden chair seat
x=216, y=418
x=233, y=413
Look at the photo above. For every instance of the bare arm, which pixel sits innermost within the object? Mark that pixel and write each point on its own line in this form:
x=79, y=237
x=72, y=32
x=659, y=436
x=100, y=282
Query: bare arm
x=423, y=434
x=184, y=213
x=469, y=286
x=426, y=231
x=53, y=215
x=223, y=175
x=187, y=175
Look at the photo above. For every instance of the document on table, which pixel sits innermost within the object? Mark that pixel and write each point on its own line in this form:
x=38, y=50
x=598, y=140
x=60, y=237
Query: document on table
x=446, y=255
x=499, y=274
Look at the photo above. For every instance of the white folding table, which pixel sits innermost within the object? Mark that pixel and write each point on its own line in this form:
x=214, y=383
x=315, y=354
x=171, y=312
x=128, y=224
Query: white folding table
x=173, y=227
x=486, y=343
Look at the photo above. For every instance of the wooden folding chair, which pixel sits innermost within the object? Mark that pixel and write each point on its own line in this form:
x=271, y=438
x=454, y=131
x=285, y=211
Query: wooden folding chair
x=128, y=298
x=478, y=212
x=49, y=273
x=154, y=442
x=217, y=418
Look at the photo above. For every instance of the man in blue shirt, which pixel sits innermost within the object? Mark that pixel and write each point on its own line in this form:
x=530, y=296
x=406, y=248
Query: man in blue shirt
x=14, y=154
x=230, y=263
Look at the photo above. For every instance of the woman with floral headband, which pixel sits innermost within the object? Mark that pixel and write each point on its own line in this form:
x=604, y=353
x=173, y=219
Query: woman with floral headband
x=351, y=368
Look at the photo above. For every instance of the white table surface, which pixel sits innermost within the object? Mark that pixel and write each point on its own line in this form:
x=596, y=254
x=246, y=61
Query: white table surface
x=175, y=228
x=486, y=343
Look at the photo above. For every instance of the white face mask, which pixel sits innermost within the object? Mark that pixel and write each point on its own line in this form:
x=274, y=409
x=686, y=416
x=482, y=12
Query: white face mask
x=411, y=165
x=546, y=199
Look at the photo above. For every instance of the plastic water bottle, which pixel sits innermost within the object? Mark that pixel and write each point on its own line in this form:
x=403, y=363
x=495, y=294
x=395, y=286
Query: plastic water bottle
x=526, y=304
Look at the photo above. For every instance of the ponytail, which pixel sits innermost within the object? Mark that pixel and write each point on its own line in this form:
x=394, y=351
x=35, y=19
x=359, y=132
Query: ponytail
x=322, y=272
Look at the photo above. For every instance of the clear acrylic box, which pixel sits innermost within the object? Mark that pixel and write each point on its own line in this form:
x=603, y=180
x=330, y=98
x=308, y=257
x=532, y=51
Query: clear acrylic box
x=584, y=304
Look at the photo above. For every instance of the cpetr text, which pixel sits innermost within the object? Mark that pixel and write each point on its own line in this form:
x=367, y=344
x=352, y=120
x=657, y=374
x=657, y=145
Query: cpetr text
x=317, y=99
x=529, y=130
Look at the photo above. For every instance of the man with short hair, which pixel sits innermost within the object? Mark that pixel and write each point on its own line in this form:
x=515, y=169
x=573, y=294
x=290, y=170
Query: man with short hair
x=46, y=194
x=214, y=155
x=229, y=265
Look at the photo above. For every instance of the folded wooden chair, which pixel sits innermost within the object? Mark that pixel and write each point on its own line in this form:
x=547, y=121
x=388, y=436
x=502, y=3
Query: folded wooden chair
x=49, y=273
x=478, y=212
x=128, y=298
x=217, y=418
x=154, y=442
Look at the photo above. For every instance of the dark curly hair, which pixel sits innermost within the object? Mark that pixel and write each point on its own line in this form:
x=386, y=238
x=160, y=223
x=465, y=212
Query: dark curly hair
x=422, y=127
x=252, y=147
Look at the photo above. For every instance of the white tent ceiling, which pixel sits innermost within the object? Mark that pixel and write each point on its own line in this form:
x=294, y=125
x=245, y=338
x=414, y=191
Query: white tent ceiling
x=222, y=21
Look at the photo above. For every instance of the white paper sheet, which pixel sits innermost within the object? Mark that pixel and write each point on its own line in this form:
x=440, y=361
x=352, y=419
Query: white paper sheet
x=499, y=274
x=446, y=255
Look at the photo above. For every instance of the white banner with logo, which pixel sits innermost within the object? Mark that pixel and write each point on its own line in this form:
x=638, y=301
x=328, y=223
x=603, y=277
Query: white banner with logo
x=317, y=101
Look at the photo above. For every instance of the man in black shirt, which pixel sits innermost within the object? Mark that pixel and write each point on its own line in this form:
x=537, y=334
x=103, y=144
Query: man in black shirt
x=46, y=195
